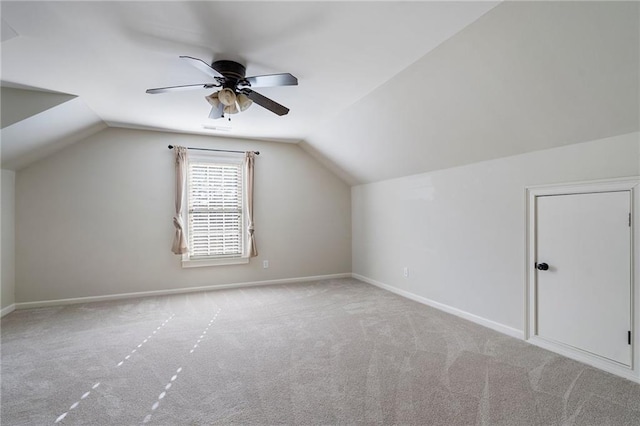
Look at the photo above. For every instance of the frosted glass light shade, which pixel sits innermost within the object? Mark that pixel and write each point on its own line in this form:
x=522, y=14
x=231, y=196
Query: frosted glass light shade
x=240, y=101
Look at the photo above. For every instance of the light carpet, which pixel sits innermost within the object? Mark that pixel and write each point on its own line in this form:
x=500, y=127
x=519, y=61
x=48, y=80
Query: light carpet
x=326, y=352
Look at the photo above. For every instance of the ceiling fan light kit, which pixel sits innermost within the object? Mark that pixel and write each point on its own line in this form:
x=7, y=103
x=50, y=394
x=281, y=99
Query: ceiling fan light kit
x=227, y=97
x=236, y=94
x=231, y=103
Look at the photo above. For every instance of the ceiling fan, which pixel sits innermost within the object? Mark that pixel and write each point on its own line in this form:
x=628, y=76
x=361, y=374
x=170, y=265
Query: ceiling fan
x=235, y=94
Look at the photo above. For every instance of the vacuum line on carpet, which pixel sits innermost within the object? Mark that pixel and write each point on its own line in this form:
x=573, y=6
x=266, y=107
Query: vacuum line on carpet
x=75, y=404
x=95, y=386
x=156, y=404
x=145, y=340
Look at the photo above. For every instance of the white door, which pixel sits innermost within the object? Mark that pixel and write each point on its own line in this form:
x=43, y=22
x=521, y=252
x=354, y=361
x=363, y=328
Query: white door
x=584, y=297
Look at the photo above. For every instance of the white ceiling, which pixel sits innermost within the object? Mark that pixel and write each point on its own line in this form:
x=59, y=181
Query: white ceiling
x=386, y=88
x=526, y=76
x=42, y=134
x=109, y=53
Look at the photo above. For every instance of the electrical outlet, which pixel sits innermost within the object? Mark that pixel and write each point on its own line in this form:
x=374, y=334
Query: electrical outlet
x=405, y=272
x=265, y=264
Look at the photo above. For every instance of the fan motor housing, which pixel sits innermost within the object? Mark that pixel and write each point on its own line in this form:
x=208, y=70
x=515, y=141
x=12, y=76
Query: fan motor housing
x=230, y=70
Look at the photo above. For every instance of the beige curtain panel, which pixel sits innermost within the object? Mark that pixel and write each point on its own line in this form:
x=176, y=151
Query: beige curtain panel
x=179, y=241
x=249, y=160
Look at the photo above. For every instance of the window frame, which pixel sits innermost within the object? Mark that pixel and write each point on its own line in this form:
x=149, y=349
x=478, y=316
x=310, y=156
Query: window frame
x=242, y=258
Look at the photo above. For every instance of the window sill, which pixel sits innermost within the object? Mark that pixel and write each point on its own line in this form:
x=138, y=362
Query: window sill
x=186, y=263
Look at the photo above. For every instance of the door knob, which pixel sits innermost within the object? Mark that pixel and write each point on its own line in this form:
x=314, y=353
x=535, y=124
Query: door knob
x=542, y=266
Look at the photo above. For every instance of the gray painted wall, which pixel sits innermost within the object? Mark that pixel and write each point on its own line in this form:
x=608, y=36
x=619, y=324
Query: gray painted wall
x=7, y=279
x=96, y=218
x=461, y=231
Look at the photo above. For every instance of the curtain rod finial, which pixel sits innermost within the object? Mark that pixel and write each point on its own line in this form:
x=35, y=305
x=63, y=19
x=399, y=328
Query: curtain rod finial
x=170, y=146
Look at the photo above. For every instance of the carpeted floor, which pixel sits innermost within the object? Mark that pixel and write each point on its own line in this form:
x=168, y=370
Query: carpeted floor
x=329, y=352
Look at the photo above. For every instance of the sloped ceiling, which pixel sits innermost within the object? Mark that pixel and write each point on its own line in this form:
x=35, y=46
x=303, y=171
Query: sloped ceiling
x=386, y=88
x=19, y=104
x=36, y=124
x=109, y=53
x=524, y=77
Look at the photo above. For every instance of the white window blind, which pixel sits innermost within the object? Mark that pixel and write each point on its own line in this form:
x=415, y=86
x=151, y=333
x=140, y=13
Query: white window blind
x=215, y=210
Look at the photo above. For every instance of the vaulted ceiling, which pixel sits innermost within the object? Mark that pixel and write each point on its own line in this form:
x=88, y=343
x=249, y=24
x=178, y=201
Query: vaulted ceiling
x=385, y=88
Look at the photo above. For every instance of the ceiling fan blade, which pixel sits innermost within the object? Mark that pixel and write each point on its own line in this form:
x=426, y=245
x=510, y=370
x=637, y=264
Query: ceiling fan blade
x=217, y=112
x=272, y=80
x=265, y=102
x=202, y=66
x=177, y=88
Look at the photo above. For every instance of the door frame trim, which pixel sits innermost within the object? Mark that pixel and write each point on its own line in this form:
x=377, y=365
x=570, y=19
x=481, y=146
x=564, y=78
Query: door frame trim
x=631, y=184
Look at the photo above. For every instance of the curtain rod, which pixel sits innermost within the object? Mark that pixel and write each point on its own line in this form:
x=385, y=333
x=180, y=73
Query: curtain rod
x=218, y=150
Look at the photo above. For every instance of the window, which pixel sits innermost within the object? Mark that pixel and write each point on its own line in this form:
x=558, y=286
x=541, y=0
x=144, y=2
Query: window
x=216, y=218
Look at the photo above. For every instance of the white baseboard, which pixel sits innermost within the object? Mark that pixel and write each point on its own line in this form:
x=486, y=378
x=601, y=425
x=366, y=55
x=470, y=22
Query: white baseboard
x=510, y=331
x=7, y=310
x=586, y=358
x=75, y=300
x=441, y=306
